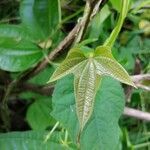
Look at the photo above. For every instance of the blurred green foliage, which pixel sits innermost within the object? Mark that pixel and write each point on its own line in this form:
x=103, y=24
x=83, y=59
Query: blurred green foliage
x=41, y=22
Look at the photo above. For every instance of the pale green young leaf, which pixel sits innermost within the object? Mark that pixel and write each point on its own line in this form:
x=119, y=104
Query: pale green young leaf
x=74, y=59
x=85, y=90
x=104, y=51
x=67, y=67
x=75, y=52
x=110, y=67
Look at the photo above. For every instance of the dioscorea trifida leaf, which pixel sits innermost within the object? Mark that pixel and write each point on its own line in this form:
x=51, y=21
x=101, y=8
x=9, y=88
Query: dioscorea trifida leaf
x=89, y=66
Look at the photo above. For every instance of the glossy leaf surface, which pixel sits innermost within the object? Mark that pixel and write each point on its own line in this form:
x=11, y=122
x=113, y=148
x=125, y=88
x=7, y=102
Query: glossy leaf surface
x=14, y=31
x=40, y=18
x=17, y=55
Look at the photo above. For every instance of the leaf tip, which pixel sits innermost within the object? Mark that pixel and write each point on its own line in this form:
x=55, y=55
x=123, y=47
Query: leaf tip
x=131, y=83
x=134, y=85
x=52, y=79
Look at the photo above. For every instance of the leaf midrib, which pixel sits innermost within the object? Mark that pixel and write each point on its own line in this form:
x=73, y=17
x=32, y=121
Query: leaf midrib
x=90, y=60
x=19, y=52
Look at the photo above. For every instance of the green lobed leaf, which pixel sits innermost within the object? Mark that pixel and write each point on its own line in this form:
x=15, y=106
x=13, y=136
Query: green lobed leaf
x=87, y=71
x=30, y=140
x=40, y=18
x=18, y=55
x=102, y=128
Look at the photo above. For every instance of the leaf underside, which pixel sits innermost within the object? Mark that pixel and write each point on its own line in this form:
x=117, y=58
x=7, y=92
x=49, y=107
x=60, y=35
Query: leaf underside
x=85, y=91
x=109, y=67
x=69, y=65
x=87, y=74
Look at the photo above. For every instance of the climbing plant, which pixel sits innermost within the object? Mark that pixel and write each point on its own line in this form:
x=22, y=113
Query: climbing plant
x=69, y=73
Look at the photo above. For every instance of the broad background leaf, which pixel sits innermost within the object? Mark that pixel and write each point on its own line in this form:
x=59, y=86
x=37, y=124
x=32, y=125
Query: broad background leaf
x=102, y=128
x=38, y=113
x=18, y=55
x=40, y=18
x=30, y=140
x=14, y=31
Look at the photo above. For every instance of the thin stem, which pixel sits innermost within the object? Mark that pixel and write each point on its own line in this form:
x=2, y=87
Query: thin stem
x=91, y=8
x=84, y=21
x=138, y=78
x=45, y=90
x=136, y=114
x=10, y=19
x=51, y=132
x=5, y=114
x=110, y=41
x=72, y=16
x=8, y=91
x=143, y=109
x=139, y=146
x=141, y=5
x=66, y=136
